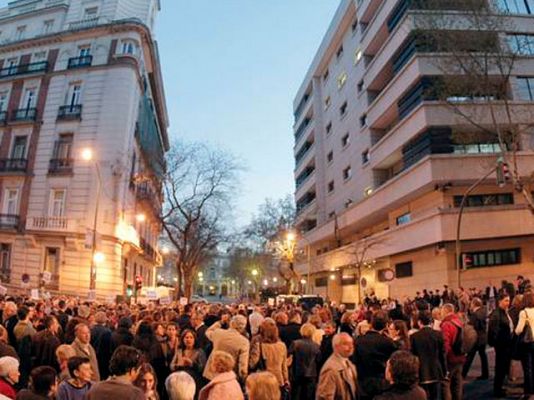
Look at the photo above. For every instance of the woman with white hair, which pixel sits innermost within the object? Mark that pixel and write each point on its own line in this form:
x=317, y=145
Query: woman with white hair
x=9, y=377
x=180, y=386
x=224, y=384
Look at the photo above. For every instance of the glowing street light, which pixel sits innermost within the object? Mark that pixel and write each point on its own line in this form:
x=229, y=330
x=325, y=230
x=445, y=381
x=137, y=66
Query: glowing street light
x=275, y=279
x=265, y=282
x=200, y=274
x=249, y=282
x=87, y=154
x=332, y=277
x=303, y=281
x=165, y=250
x=254, y=272
x=140, y=217
x=99, y=257
x=233, y=282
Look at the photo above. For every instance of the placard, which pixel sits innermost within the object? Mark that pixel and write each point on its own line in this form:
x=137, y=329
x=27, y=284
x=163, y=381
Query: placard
x=91, y=295
x=47, y=276
x=110, y=299
x=3, y=290
x=165, y=300
x=270, y=302
x=34, y=294
x=183, y=301
x=151, y=294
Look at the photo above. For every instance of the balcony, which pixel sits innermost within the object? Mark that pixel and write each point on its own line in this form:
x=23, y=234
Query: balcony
x=3, y=117
x=80, y=62
x=148, y=250
x=60, y=166
x=301, y=106
x=303, y=177
x=86, y=23
x=9, y=221
x=24, y=114
x=145, y=192
x=302, y=128
x=305, y=201
x=13, y=165
x=31, y=68
x=301, y=154
x=70, y=112
x=49, y=223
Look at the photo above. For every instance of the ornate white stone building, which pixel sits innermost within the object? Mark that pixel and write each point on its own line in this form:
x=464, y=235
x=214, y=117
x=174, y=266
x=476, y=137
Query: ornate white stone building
x=80, y=78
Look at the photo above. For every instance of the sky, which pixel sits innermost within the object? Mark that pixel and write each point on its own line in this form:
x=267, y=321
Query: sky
x=231, y=69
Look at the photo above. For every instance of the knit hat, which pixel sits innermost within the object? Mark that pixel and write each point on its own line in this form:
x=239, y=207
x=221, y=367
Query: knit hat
x=7, y=365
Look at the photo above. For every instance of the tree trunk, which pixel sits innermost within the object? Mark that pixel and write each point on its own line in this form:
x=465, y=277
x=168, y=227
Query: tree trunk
x=188, y=286
x=179, y=281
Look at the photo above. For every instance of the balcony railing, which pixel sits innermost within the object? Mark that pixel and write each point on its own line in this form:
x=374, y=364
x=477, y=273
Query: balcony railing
x=24, y=114
x=9, y=221
x=70, y=112
x=145, y=192
x=84, y=23
x=48, y=223
x=60, y=165
x=304, y=124
x=40, y=66
x=303, y=177
x=3, y=117
x=302, y=153
x=147, y=248
x=13, y=165
x=79, y=62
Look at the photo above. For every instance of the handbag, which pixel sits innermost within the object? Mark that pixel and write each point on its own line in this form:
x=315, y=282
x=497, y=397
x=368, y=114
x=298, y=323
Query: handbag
x=526, y=336
x=260, y=366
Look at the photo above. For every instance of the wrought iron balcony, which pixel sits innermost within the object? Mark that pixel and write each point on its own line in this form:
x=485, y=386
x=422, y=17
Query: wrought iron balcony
x=70, y=112
x=40, y=66
x=60, y=165
x=24, y=114
x=79, y=62
x=13, y=165
x=149, y=251
x=9, y=221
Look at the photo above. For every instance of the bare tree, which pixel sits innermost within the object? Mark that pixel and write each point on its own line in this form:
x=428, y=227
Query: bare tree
x=199, y=185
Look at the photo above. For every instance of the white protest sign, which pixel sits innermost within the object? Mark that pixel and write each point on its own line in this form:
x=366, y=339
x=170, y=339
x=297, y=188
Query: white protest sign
x=183, y=301
x=47, y=276
x=3, y=291
x=165, y=300
x=270, y=301
x=91, y=295
x=34, y=294
x=151, y=294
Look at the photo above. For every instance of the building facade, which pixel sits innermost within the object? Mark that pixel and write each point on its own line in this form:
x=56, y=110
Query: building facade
x=83, y=138
x=379, y=174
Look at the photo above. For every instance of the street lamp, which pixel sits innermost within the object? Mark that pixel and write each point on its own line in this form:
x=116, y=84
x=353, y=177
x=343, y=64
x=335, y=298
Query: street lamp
x=140, y=217
x=275, y=279
x=87, y=155
x=99, y=257
x=254, y=272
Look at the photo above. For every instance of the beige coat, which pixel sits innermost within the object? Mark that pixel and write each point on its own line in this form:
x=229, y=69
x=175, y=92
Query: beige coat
x=335, y=382
x=275, y=357
x=232, y=342
x=222, y=387
x=89, y=352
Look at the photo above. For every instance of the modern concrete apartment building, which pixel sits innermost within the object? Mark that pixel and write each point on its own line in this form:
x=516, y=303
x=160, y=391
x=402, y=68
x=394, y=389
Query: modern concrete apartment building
x=379, y=175
x=83, y=137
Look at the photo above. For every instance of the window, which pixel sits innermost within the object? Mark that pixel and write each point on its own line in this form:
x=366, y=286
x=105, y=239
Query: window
x=347, y=173
x=11, y=202
x=74, y=94
x=330, y=186
x=363, y=120
x=329, y=128
x=477, y=148
x=525, y=88
x=341, y=79
x=63, y=146
x=325, y=75
x=403, y=219
x=354, y=26
x=343, y=109
x=483, y=200
x=5, y=262
x=345, y=140
x=12, y=65
x=129, y=47
x=492, y=258
x=321, y=282
x=357, y=56
x=365, y=157
x=516, y=6
x=404, y=270
x=48, y=26
x=330, y=157
x=339, y=52
x=20, y=33
x=360, y=86
x=84, y=51
x=56, y=207
x=19, y=148
x=51, y=263
x=327, y=102
x=4, y=98
x=348, y=280
x=29, y=99
x=521, y=44
x=90, y=13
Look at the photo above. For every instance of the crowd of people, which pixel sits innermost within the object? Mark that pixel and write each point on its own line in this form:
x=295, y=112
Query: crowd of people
x=421, y=348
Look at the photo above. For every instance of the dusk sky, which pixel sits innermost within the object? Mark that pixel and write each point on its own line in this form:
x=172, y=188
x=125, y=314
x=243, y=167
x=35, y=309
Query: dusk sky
x=231, y=69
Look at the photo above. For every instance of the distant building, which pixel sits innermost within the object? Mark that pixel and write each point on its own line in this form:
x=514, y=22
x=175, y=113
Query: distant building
x=376, y=162
x=78, y=75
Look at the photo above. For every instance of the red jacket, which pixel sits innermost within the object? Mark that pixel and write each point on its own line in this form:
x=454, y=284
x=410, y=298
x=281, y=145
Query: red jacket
x=449, y=328
x=7, y=389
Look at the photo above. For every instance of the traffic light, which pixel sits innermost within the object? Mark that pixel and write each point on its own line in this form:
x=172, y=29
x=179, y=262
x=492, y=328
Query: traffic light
x=129, y=291
x=467, y=261
x=138, y=283
x=503, y=173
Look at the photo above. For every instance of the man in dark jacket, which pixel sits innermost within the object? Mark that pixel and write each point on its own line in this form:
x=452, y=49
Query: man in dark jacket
x=45, y=343
x=326, y=343
x=500, y=337
x=101, y=342
x=372, y=352
x=477, y=318
x=290, y=332
x=122, y=335
x=197, y=321
x=10, y=319
x=427, y=344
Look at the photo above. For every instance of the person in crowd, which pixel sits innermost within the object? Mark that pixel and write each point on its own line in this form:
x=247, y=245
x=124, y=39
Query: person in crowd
x=255, y=319
x=10, y=320
x=189, y=358
x=436, y=318
x=202, y=342
x=500, y=328
x=79, y=383
x=451, y=326
x=122, y=335
x=478, y=319
x=526, y=321
x=262, y=386
x=232, y=341
x=326, y=348
x=346, y=322
x=402, y=372
x=61, y=314
x=45, y=343
x=9, y=376
x=43, y=385
x=184, y=321
x=171, y=342
x=146, y=342
x=63, y=353
x=364, y=325
x=82, y=347
x=371, y=353
x=5, y=348
x=318, y=334
x=268, y=353
x=338, y=377
x=180, y=386
x=124, y=368
x=24, y=326
x=290, y=331
x=213, y=315
x=428, y=345
x=398, y=331
x=305, y=355
x=101, y=342
x=147, y=382
x=223, y=384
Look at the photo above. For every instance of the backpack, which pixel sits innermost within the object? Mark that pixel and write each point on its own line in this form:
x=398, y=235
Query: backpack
x=465, y=340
